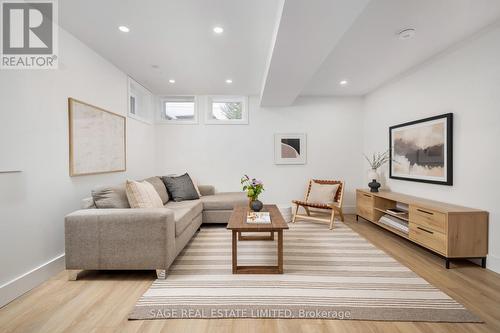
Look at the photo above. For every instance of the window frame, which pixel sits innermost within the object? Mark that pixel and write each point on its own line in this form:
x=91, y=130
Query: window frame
x=209, y=120
x=172, y=98
x=132, y=92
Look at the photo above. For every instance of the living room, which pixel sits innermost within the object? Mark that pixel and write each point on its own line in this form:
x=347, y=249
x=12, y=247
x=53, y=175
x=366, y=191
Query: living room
x=102, y=101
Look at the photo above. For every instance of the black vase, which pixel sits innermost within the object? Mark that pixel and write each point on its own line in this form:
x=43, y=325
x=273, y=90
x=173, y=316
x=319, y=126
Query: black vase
x=256, y=205
x=374, y=185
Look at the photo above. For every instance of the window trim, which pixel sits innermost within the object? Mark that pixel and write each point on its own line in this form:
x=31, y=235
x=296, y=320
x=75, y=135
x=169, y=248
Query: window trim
x=229, y=98
x=135, y=116
x=164, y=121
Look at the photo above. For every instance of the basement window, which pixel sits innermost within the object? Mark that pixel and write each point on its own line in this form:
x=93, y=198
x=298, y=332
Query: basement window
x=179, y=110
x=227, y=110
x=140, y=102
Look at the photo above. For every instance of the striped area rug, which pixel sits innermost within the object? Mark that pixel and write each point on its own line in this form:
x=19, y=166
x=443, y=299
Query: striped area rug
x=327, y=274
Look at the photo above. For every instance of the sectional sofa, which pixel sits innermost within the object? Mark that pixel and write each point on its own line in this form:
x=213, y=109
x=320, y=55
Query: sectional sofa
x=109, y=235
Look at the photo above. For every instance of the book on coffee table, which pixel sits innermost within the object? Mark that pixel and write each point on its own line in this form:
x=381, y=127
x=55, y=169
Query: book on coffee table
x=259, y=218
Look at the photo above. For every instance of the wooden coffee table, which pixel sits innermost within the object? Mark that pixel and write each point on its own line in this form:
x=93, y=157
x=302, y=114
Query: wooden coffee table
x=238, y=224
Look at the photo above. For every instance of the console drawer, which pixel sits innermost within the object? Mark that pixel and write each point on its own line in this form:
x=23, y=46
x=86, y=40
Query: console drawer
x=366, y=212
x=427, y=218
x=428, y=238
x=364, y=205
x=364, y=199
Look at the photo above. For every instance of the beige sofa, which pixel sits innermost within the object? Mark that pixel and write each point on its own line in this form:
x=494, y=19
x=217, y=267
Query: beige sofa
x=100, y=238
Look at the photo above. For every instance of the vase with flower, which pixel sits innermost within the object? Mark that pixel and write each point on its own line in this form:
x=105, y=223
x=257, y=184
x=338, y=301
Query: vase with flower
x=254, y=188
x=376, y=161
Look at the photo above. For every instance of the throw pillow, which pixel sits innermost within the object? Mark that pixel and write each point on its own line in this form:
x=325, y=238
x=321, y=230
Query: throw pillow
x=322, y=193
x=195, y=183
x=110, y=197
x=180, y=188
x=159, y=187
x=142, y=195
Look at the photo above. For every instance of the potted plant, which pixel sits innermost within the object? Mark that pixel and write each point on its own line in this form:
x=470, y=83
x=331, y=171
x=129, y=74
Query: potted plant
x=377, y=160
x=254, y=188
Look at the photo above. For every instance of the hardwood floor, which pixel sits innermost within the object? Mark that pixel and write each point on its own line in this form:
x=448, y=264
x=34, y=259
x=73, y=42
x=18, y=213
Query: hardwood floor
x=101, y=301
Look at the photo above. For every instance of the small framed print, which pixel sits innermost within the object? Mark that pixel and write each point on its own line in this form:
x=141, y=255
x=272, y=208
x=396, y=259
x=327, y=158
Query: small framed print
x=290, y=148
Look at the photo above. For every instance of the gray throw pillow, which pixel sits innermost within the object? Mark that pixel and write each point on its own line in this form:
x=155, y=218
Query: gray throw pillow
x=180, y=188
x=111, y=197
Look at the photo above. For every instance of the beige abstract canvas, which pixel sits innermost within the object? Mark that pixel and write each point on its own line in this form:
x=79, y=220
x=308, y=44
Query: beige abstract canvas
x=97, y=140
x=422, y=150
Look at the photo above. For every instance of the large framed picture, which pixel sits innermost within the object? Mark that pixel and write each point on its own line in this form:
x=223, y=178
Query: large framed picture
x=290, y=148
x=97, y=140
x=422, y=150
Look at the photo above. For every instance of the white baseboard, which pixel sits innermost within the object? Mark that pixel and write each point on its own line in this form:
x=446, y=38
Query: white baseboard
x=349, y=209
x=24, y=283
x=493, y=263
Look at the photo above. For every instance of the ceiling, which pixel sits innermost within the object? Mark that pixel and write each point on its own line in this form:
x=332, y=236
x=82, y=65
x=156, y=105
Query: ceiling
x=370, y=54
x=178, y=37
x=279, y=49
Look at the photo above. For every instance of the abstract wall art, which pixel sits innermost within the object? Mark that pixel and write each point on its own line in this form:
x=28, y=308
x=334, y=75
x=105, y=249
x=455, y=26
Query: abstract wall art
x=422, y=150
x=290, y=148
x=96, y=140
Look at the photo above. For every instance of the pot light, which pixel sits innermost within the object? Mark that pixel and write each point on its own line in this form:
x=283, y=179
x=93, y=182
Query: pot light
x=171, y=81
x=343, y=82
x=229, y=81
x=123, y=28
x=406, y=34
x=218, y=30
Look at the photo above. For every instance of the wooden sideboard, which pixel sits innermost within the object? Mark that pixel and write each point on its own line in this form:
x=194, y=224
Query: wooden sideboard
x=449, y=230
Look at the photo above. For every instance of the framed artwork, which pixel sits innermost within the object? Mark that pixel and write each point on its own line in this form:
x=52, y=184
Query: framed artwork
x=290, y=148
x=422, y=150
x=97, y=140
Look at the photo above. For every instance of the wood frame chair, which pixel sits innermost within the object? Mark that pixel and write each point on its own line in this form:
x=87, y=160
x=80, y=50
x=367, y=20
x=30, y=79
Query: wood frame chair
x=335, y=207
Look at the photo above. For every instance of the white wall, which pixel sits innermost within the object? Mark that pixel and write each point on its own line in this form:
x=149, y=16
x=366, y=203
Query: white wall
x=465, y=81
x=221, y=154
x=34, y=138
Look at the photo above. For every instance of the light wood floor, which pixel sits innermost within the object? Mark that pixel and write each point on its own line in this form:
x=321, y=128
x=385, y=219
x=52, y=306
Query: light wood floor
x=101, y=301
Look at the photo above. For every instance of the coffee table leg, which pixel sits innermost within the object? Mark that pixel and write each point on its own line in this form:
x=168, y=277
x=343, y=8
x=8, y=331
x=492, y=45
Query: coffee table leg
x=235, y=251
x=280, y=251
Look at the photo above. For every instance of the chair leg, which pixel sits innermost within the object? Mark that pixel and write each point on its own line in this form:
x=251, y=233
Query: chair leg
x=332, y=218
x=295, y=215
x=308, y=212
x=341, y=215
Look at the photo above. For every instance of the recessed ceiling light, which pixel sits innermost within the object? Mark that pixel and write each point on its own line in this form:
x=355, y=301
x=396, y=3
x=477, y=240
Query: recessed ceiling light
x=229, y=81
x=343, y=82
x=171, y=81
x=406, y=33
x=123, y=28
x=218, y=30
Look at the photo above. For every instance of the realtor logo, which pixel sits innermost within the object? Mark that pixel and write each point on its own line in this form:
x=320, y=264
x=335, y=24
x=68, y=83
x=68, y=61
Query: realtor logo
x=29, y=34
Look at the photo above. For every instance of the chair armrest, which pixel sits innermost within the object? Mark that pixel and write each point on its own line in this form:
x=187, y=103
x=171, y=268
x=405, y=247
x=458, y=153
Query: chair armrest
x=206, y=189
x=120, y=239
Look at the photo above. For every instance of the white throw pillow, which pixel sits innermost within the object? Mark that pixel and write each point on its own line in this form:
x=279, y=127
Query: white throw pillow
x=142, y=195
x=322, y=193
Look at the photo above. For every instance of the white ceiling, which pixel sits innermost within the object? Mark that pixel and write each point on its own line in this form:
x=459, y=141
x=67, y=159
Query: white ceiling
x=369, y=54
x=278, y=48
x=300, y=47
x=177, y=36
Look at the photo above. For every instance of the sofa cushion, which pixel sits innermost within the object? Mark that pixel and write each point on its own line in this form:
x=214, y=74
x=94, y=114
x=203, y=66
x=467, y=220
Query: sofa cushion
x=110, y=197
x=159, y=187
x=142, y=195
x=224, y=201
x=180, y=188
x=184, y=213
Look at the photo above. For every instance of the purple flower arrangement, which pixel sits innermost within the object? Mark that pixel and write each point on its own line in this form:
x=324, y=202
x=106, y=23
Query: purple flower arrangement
x=253, y=187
